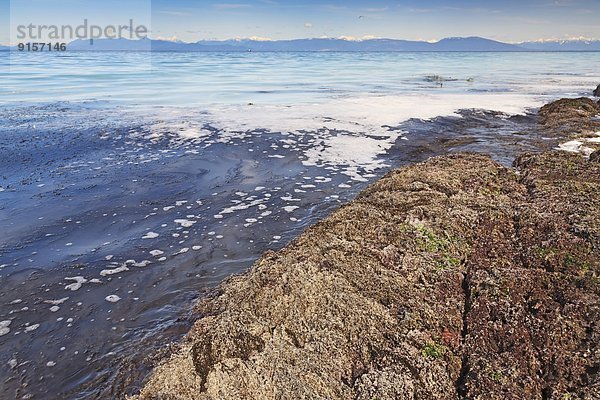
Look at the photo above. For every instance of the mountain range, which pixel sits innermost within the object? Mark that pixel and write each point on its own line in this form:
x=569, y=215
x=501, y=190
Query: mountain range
x=563, y=45
x=468, y=44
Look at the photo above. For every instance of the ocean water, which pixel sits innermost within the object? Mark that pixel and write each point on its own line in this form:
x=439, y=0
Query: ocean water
x=203, y=79
x=131, y=184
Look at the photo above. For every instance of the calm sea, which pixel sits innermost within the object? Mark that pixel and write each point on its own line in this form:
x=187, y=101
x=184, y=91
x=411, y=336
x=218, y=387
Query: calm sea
x=202, y=79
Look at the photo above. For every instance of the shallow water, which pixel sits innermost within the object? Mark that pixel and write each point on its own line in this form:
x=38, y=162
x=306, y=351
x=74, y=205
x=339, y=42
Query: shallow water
x=149, y=180
x=201, y=79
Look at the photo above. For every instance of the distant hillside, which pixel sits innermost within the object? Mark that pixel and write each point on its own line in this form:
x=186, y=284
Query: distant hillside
x=451, y=44
x=563, y=45
x=144, y=45
x=326, y=44
x=468, y=44
x=473, y=44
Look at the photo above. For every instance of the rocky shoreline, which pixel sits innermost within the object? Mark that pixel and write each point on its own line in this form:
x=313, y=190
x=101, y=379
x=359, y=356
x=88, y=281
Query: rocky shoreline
x=452, y=278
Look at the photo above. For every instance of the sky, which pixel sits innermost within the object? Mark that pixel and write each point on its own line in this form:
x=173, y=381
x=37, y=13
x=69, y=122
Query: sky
x=188, y=20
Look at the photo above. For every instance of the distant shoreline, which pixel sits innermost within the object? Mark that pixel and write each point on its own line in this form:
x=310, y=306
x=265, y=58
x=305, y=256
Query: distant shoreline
x=321, y=51
x=458, y=44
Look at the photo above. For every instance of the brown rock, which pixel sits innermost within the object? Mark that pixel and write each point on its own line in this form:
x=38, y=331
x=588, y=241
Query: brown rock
x=454, y=278
x=570, y=115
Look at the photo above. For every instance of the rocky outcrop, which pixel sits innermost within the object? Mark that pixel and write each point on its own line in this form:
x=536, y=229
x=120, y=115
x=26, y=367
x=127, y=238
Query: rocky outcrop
x=597, y=91
x=450, y=279
x=455, y=278
x=567, y=116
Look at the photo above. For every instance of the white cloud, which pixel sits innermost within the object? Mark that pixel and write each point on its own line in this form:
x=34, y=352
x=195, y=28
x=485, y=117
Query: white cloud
x=175, y=13
x=308, y=25
x=229, y=6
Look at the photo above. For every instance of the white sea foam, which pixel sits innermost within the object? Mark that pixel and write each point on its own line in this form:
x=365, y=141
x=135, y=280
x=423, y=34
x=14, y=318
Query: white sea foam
x=79, y=280
x=185, y=222
x=106, y=272
x=113, y=298
x=4, y=327
x=572, y=146
x=353, y=131
x=56, y=302
x=368, y=114
x=348, y=150
x=141, y=264
x=578, y=145
x=182, y=251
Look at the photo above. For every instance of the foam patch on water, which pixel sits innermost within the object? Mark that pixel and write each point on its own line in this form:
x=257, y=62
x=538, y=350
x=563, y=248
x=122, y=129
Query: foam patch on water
x=56, y=302
x=344, y=131
x=353, y=151
x=186, y=130
x=182, y=251
x=106, y=272
x=79, y=281
x=4, y=327
x=367, y=114
x=185, y=222
x=578, y=145
x=113, y=298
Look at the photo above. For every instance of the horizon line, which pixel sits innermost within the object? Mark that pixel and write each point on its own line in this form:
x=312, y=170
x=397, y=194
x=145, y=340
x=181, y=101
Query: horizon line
x=342, y=38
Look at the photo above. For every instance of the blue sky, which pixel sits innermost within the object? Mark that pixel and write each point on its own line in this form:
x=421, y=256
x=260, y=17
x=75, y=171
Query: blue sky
x=509, y=20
